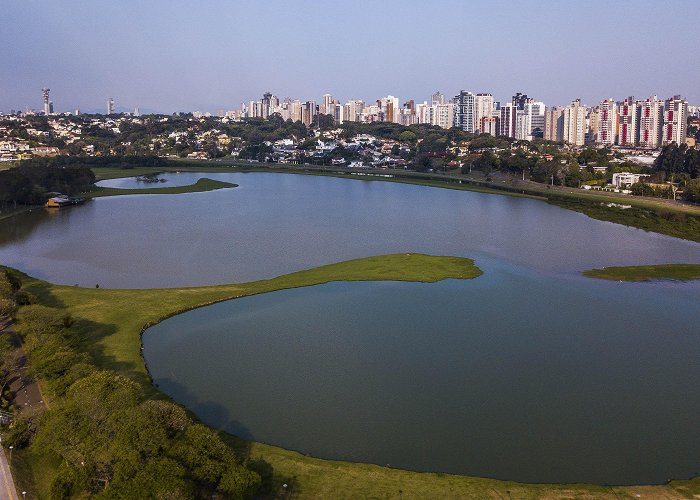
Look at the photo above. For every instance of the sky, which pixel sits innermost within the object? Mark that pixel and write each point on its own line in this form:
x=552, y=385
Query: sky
x=210, y=55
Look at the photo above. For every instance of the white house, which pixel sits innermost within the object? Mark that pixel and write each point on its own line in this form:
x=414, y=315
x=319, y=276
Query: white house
x=626, y=179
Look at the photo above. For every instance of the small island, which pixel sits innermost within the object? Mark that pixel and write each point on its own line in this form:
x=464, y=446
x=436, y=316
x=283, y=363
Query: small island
x=677, y=272
x=202, y=185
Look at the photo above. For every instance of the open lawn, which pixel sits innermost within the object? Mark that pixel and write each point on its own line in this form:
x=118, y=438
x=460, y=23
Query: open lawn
x=109, y=324
x=679, y=272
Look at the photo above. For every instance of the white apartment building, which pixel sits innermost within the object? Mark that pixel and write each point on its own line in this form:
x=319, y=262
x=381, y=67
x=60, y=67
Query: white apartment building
x=444, y=115
x=607, y=123
x=574, y=130
x=675, y=121
x=483, y=108
x=627, y=129
x=650, y=122
x=508, y=120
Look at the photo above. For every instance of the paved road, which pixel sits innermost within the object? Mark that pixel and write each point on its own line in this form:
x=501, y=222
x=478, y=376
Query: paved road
x=27, y=398
x=7, y=487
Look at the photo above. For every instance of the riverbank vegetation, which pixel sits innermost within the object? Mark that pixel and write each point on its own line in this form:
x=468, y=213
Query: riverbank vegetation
x=678, y=272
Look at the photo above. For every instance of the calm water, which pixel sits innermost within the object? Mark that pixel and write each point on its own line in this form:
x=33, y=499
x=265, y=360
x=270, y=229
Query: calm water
x=512, y=375
x=529, y=372
x=278, y=223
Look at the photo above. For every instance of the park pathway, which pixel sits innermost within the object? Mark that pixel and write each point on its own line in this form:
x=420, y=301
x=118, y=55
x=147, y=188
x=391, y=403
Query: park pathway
x=7, y=486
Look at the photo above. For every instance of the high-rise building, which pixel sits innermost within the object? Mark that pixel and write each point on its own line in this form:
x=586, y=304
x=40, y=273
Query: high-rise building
x=627, y=128
x=508, y=120
x=353, y=110
x=523, y=125
x=574, y=129
x=554, y=124
x=519, y=100
x=110, y=106
x=327, y=107
x=535, y=111
x=675, y=121
x=308, y=112
x=389, y=107
x=607, y=123
x=337, y=112
x=295, y=110
x=437, y=98
x=464, y=112
x=489, y=125
x=47, y=103
x=650, y=112
x=268, y=105
x=483, y=108
x=444, y=115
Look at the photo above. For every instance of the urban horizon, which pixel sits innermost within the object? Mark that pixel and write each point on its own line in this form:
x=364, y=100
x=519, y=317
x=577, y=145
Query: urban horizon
x=117, y=107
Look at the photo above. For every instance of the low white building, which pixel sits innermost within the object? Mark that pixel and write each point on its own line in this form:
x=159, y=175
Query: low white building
x=623, y=180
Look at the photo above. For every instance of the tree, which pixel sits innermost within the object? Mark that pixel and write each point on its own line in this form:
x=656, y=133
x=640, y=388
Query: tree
x=408, y=136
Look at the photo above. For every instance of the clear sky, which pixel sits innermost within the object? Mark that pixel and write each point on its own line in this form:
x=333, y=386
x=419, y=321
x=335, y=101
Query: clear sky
x=207, y=55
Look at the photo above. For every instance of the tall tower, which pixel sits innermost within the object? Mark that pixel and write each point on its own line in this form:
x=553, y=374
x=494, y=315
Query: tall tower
x=628, y=122
x=650, y=120
x=110, y=106
x=675, y=118
x=47, y=105
x=464, y=111
x=607, y=123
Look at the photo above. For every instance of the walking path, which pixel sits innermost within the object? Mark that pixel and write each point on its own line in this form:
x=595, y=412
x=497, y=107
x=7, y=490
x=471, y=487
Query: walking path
x=27, y=398
x=7, y=487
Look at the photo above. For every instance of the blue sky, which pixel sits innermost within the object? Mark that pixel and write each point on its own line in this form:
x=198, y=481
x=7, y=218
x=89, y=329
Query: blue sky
x=209, y=55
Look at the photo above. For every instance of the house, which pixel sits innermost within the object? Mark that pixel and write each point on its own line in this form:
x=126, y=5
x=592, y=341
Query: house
x=623, y=180
x=62, y=200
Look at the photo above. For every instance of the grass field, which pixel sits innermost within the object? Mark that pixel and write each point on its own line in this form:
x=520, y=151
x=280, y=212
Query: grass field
x=679, y=272
x=109, y=324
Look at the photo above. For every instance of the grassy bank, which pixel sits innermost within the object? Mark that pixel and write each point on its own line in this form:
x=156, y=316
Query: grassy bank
x=110, y=320
x=109, y=323
x=200, y=186
x=679, y=272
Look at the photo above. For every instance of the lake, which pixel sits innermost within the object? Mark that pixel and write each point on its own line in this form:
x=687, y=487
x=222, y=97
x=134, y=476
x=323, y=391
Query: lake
x=530, y=372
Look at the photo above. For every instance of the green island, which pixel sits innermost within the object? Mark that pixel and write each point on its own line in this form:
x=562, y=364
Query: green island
x=678, y=272
x=202, y=185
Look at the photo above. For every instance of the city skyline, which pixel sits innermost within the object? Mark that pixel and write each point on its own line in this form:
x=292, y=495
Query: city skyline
x=185, y=58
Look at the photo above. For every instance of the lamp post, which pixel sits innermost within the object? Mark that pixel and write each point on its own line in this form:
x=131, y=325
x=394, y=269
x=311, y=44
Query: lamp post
x=11, y=454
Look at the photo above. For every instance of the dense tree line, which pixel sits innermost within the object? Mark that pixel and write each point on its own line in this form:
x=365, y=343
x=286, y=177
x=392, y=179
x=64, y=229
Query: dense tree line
x=110, y=440
x=680, y=160
x=29, y=184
